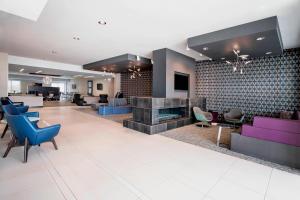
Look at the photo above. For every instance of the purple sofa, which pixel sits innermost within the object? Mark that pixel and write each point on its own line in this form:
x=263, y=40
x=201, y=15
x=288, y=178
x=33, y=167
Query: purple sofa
x=271, y=139
x=273, y=129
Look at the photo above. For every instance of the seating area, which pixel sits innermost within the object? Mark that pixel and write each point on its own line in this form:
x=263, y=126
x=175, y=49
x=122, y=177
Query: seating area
x=24, y=127
x=149, y=100
x=115, y=106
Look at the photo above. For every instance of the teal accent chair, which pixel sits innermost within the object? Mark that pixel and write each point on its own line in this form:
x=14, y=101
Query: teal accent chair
x=204, y=117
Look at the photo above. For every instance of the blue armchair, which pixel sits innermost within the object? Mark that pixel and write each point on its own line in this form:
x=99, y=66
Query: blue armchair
x=26, y=134
x=19, y=105
x=13, y=110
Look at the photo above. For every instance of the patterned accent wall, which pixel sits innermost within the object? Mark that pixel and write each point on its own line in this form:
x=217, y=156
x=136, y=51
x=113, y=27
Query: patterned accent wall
x=140, y=86
x=268, y=86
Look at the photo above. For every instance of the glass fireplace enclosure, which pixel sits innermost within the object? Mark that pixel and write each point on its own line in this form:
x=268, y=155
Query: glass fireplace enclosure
x=155, y=111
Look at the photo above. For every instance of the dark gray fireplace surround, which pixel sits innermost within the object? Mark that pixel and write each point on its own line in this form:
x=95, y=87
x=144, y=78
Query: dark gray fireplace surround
x=155, y=115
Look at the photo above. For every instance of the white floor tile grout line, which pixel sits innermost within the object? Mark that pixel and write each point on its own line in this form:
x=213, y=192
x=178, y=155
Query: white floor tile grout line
x=139, y=194
x=133, y=189
x=130, y=187
x=266, y=193
x=220, y=178
x=71, y=195
x=52, y=177
x=46, y=159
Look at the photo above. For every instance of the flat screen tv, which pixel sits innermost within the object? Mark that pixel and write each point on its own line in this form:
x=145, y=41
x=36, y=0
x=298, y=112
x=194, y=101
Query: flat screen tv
x=181, y=82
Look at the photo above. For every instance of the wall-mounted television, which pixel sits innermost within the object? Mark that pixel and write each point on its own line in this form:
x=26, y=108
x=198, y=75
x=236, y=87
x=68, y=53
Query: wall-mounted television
x=181, y=81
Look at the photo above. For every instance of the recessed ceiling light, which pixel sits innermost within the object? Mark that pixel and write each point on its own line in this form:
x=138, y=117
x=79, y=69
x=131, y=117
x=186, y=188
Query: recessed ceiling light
x=76, y=38
x=102, y=22
x=89, y=77
x=244, y=57
x=40, y=71
x=222, y=58
x=77, y=76
x=21, y=70
x=269, y=52
x=205, y=48
x=210, y=59
x=260, y=38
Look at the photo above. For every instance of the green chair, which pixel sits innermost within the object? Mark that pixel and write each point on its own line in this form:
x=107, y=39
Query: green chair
x=204, y=117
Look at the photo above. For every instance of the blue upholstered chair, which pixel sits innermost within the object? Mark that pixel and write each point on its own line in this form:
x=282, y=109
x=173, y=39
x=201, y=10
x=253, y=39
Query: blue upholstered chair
x=19, y=105
x=14, y=110
x=27, y=134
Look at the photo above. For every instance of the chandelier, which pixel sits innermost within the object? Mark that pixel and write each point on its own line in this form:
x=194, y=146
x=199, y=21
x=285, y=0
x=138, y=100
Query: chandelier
x=47, y=80
x=240, y=63
x=135, y=71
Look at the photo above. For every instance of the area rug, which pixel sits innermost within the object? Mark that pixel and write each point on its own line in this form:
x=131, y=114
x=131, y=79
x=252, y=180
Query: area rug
x=207, y=138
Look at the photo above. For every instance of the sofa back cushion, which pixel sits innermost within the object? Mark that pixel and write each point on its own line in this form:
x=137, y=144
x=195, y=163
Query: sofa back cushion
x=117, y=102
x=291, y=126
x=271, y=135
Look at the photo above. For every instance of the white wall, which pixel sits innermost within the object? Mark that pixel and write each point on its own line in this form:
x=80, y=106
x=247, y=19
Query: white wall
x=3, y=74
x=108, y=87
x=81, y=86
x=117, y=83
x=24, y=85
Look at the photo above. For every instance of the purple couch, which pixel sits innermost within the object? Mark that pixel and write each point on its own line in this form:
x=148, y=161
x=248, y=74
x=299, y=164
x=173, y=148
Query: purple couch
x=272, y=139
x=273, y=129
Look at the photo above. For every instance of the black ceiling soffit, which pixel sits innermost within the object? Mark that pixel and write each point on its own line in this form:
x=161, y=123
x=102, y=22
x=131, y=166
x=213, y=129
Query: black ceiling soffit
x=41, y=74
x=254, y=39
x=119, y=64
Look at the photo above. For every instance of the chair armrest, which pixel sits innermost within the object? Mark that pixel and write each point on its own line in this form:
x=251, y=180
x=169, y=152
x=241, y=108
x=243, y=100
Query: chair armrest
x=32, y=114
x=22, y=109
x=47, y=133
x=18, y=103
x=50, y=129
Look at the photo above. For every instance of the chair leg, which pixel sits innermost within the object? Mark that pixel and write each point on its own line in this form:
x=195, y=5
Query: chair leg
x=26, y=149
x=4, y=131
x=54, y=144
x=2, y=115
x=11, y=144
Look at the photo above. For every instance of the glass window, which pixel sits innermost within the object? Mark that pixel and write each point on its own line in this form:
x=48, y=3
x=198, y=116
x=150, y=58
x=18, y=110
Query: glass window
x=14, y=86
x=61, y=85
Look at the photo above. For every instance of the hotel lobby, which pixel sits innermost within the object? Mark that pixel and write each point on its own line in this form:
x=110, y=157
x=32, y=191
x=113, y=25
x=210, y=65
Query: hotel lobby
x=149, y=100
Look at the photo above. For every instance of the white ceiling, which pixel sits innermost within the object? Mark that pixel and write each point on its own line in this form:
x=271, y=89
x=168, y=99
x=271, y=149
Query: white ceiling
x=15, y=70
x=134, y=26
x=30, y=9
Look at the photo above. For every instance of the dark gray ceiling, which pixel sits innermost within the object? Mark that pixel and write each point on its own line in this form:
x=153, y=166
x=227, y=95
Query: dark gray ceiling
x=220, y=44
x=119, y=64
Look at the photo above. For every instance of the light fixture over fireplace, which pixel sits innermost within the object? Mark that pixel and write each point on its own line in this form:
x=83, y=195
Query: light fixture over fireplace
x=240, y=63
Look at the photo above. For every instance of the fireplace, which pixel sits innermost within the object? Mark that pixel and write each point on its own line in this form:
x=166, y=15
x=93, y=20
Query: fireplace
x=154, y=115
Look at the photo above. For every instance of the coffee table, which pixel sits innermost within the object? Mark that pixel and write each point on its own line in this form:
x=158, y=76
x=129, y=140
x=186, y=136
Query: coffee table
x=221, y=126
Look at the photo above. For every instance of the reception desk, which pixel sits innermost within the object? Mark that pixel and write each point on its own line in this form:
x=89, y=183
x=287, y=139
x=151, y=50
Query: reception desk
x=30, y=100
x=91, y=99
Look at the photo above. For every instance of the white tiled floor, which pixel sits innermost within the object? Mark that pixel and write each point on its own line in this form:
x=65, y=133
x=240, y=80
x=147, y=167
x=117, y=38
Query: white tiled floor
x=99, y=159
